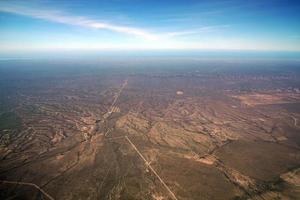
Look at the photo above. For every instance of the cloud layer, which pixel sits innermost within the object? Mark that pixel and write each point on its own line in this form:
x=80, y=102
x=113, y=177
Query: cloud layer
x=159, y=34
x=59, y=17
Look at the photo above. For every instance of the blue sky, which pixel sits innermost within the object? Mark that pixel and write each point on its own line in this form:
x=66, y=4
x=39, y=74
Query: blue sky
x=261, y=25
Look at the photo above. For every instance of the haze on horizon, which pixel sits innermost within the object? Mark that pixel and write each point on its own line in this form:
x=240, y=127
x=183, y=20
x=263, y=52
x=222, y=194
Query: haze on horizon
x=258, y=25
x=149, y=100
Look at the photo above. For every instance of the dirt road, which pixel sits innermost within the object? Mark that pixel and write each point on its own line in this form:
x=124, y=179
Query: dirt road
x=150, y=167
x=28, y=184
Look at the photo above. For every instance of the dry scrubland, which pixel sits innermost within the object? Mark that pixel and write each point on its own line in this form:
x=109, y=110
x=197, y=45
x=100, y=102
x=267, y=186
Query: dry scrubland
x=154, y=136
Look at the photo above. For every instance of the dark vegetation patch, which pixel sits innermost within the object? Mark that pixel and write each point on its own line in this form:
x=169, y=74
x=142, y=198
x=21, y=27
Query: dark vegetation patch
x=10, y=120
x=259, y=160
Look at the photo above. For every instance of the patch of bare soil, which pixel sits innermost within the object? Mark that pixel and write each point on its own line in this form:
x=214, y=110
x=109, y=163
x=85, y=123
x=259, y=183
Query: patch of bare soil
x=262, y=99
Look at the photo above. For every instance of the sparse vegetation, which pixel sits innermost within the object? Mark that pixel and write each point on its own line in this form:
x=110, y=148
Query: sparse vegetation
x=213, y=140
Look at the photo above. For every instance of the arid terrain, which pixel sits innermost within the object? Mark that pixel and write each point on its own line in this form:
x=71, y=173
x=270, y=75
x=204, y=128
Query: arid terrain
x=159, y=129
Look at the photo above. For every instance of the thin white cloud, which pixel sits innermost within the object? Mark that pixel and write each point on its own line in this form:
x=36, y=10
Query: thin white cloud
x=197, y=31
x=59, y=17
x=166, y=39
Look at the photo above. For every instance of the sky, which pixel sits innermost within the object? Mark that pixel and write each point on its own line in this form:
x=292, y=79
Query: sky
x=257, y=25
